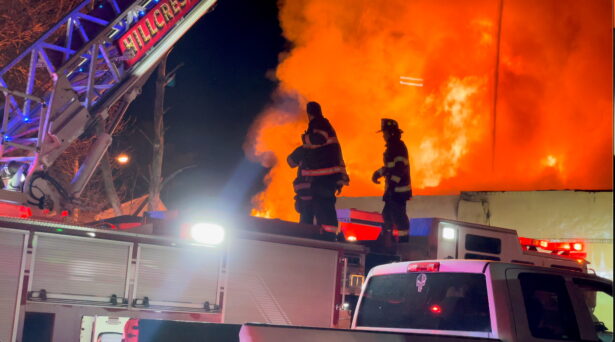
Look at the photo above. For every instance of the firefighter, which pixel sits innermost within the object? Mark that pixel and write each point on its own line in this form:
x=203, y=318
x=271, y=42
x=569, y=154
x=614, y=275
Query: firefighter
x=325, y=165
x=397, y=190
x=302, y=186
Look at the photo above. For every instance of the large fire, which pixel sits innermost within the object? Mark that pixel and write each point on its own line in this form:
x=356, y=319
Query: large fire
x=541, y=120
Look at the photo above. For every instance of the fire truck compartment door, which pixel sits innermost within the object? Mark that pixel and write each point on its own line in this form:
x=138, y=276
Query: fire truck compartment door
x=280, y=284
x=183, y=278
x=12, y=255
x=83, y=269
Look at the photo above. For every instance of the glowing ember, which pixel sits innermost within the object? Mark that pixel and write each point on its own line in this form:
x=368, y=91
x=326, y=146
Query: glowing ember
x=553, y=122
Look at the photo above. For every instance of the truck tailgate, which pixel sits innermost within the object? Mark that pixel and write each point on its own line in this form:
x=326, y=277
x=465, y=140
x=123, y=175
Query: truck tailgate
x=253, y=332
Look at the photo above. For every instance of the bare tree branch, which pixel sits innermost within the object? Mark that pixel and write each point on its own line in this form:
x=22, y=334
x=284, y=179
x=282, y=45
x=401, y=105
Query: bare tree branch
x=168, y=179
x=145, y=136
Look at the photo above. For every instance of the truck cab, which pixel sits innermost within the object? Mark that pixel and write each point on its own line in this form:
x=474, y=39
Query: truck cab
x=486, y=299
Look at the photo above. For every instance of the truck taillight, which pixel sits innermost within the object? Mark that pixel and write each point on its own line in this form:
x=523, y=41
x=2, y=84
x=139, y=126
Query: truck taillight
x=424, y=267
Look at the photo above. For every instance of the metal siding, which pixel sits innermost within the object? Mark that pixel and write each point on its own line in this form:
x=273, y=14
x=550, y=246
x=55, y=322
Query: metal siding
x=186, y=275
x=11, y=255
x=80, y=266
x=280, y=284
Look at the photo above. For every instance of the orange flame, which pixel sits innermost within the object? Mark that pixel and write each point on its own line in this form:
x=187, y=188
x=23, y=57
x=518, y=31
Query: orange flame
x=553, y=122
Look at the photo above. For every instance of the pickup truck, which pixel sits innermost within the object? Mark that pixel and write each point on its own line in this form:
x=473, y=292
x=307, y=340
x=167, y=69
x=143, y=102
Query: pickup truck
x=467, y=300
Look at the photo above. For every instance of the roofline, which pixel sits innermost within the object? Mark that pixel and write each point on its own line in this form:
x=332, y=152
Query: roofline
x=126, y=235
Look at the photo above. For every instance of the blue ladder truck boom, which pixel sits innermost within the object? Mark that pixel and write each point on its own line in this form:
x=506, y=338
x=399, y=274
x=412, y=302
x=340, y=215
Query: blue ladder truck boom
x=82, y=75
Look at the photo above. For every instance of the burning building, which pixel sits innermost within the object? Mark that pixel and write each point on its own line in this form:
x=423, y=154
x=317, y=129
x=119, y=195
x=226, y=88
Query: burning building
x=493, y=95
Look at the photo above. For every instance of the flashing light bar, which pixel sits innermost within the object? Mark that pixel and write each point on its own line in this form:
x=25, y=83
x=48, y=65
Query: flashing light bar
x=578, y=246
x=527, y=242
x=572, y=249
x=424, y=267
x=566, y=246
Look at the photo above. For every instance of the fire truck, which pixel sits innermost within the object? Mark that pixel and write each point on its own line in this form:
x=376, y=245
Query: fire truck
x=56, y=277
x=61, y=278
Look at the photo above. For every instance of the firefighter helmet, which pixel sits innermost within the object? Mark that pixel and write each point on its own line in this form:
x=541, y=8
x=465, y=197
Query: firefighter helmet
x=313, y=108
x=389, y=125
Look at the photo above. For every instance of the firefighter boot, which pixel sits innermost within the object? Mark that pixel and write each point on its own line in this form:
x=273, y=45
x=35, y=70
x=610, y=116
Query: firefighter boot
x=328, y=232
x=385, y=243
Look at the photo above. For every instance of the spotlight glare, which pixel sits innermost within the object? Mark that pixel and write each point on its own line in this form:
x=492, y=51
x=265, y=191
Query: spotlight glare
x=448, y=233
x=207, y=233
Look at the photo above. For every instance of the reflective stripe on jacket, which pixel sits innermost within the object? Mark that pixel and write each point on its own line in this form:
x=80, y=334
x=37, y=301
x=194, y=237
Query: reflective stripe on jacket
x=396, y=171
x=323, y=152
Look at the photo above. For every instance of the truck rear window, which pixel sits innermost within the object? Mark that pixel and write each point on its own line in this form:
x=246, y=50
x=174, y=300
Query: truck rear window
x=440, y=301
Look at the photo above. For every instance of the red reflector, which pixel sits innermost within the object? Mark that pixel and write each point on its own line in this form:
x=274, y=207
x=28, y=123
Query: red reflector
x=424, y=267
x=24, y=212
x=435, y=309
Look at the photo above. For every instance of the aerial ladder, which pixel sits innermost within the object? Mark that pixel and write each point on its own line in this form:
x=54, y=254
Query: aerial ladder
x=82, y=75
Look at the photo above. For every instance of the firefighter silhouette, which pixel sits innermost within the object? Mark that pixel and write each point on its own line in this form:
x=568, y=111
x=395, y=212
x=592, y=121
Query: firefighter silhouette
x=397, y=187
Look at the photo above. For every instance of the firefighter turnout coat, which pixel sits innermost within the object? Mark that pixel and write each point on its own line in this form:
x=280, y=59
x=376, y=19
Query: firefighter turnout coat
x=323, y=152
x=301, y=184
x=396, y=171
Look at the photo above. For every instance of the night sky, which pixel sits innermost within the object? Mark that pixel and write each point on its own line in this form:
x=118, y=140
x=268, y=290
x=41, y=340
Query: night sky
x=219, y=91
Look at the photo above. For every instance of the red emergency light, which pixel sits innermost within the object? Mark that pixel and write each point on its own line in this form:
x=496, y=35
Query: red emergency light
x=526, y=243
x=571, y=249
x=357, y=225
x=424, y=267
x=435, y=309
x=552, y=246
x=566, y=246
